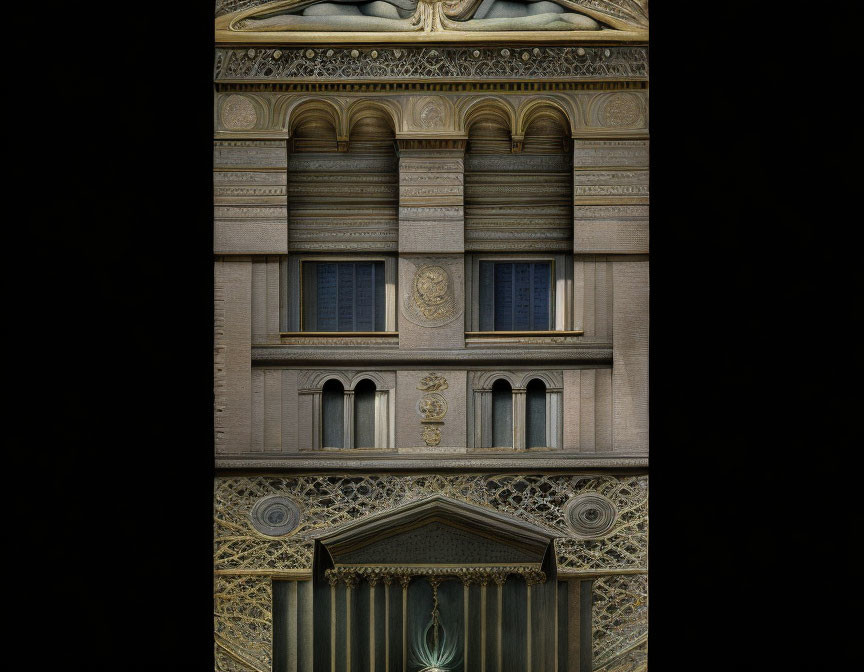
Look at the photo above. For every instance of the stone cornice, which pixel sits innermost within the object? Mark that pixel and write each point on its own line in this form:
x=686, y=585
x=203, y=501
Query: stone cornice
x=557, y=461
x=263, y=355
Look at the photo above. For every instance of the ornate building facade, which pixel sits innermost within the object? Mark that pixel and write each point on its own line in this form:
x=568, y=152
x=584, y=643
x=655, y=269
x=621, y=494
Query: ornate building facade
x=431, y=335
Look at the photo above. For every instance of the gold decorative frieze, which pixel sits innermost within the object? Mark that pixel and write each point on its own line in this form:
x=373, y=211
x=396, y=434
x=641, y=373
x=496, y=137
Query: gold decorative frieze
x=467, y=575
x=446, y=63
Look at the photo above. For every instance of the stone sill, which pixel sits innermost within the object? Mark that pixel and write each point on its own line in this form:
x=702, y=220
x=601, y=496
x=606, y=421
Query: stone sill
x=422, y=462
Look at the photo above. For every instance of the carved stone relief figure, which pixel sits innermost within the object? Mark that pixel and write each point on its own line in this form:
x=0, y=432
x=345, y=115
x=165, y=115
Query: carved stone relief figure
x=436, y=15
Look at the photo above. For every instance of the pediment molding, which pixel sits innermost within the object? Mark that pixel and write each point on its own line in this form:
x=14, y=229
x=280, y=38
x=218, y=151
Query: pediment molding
x=529, y=542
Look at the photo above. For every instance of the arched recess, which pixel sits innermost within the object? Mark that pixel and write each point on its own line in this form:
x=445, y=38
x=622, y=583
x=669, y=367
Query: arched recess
x=489, y=123
x=536, y=410
x=314, y=126
x=333, y=414
x=535, y=109
x=371, y=126
x=502, y=414
x=364, y=414
x=552, y=379
x=343, y=179
x=483, y=380
x=518, y=189
x=376, y=378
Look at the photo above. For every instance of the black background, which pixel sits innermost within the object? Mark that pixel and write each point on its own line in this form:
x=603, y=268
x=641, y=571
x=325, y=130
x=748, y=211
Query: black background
x=752, y=333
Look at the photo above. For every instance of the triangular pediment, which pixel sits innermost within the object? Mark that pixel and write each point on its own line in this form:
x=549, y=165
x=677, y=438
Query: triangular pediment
x=437, y=530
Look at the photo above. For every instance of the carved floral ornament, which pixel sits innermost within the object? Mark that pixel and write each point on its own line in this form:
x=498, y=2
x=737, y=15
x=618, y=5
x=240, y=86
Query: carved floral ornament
x=559, y=63
x=351, y=576
x=431, y=300
x=433, y=15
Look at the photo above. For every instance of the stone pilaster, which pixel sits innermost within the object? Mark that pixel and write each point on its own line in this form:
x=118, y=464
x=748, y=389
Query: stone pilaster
x=250, y=196
x=431, y=184
x=610, y=196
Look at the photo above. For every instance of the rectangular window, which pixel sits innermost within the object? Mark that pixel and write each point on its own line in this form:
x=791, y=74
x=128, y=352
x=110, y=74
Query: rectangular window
x=343, y=296
x=515, y=296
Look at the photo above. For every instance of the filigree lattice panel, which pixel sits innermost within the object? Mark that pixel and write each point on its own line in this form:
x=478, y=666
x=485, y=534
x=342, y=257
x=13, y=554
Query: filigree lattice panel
x=243, y=623
x=326, y=501
x=458, y=63
x=620, y=622
x=633, y=660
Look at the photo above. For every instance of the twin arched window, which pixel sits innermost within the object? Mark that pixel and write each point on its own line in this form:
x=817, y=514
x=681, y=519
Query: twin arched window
x=516, y=418
x=354, y=418
x=506, y=404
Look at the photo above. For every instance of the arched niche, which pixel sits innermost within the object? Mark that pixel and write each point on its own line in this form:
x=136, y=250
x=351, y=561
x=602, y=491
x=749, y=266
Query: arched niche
x=489, y=126
x=314, y=127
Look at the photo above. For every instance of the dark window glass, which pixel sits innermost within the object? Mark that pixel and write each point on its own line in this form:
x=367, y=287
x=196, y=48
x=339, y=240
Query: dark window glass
x=343, y=296
x=535, y=412
x=364, y=414
x=333, y=412
x=502, y=414
x=515, y=296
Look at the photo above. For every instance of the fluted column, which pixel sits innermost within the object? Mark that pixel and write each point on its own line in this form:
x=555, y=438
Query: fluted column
x=351, y=582
x=348, y=419
x=404, y=581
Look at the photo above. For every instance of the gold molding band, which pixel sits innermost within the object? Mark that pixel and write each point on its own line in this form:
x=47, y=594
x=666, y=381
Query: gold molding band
x=336, y=334
x=496, y=334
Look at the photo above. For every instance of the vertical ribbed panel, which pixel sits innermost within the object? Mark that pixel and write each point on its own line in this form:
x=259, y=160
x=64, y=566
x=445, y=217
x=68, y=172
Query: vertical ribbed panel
x=265, y=300
x=292, y=626
x=610, y=196
x=518, y=202
x=343, y=201
x=249, y=196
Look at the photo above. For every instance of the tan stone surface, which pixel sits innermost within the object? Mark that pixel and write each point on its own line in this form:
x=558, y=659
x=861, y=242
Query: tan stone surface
x=630, y=355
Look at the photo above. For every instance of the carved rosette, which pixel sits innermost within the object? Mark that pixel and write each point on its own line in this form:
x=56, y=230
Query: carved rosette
x=431, y=436
x=238, y=113
x=432, y=407
x=433, y=298
x=622, y=110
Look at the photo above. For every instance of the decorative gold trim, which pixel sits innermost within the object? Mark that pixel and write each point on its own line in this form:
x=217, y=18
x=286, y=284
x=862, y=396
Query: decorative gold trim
x=418, y=85
x=226, y=38
x=343, y=334
x=298, y=574
x=494, y=334
x=566, y=574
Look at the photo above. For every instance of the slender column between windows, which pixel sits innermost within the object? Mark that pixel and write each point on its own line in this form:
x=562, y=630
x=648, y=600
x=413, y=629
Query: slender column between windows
x=382, y=419
x=317, y=420
x=348, y=419
x=518, y=419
